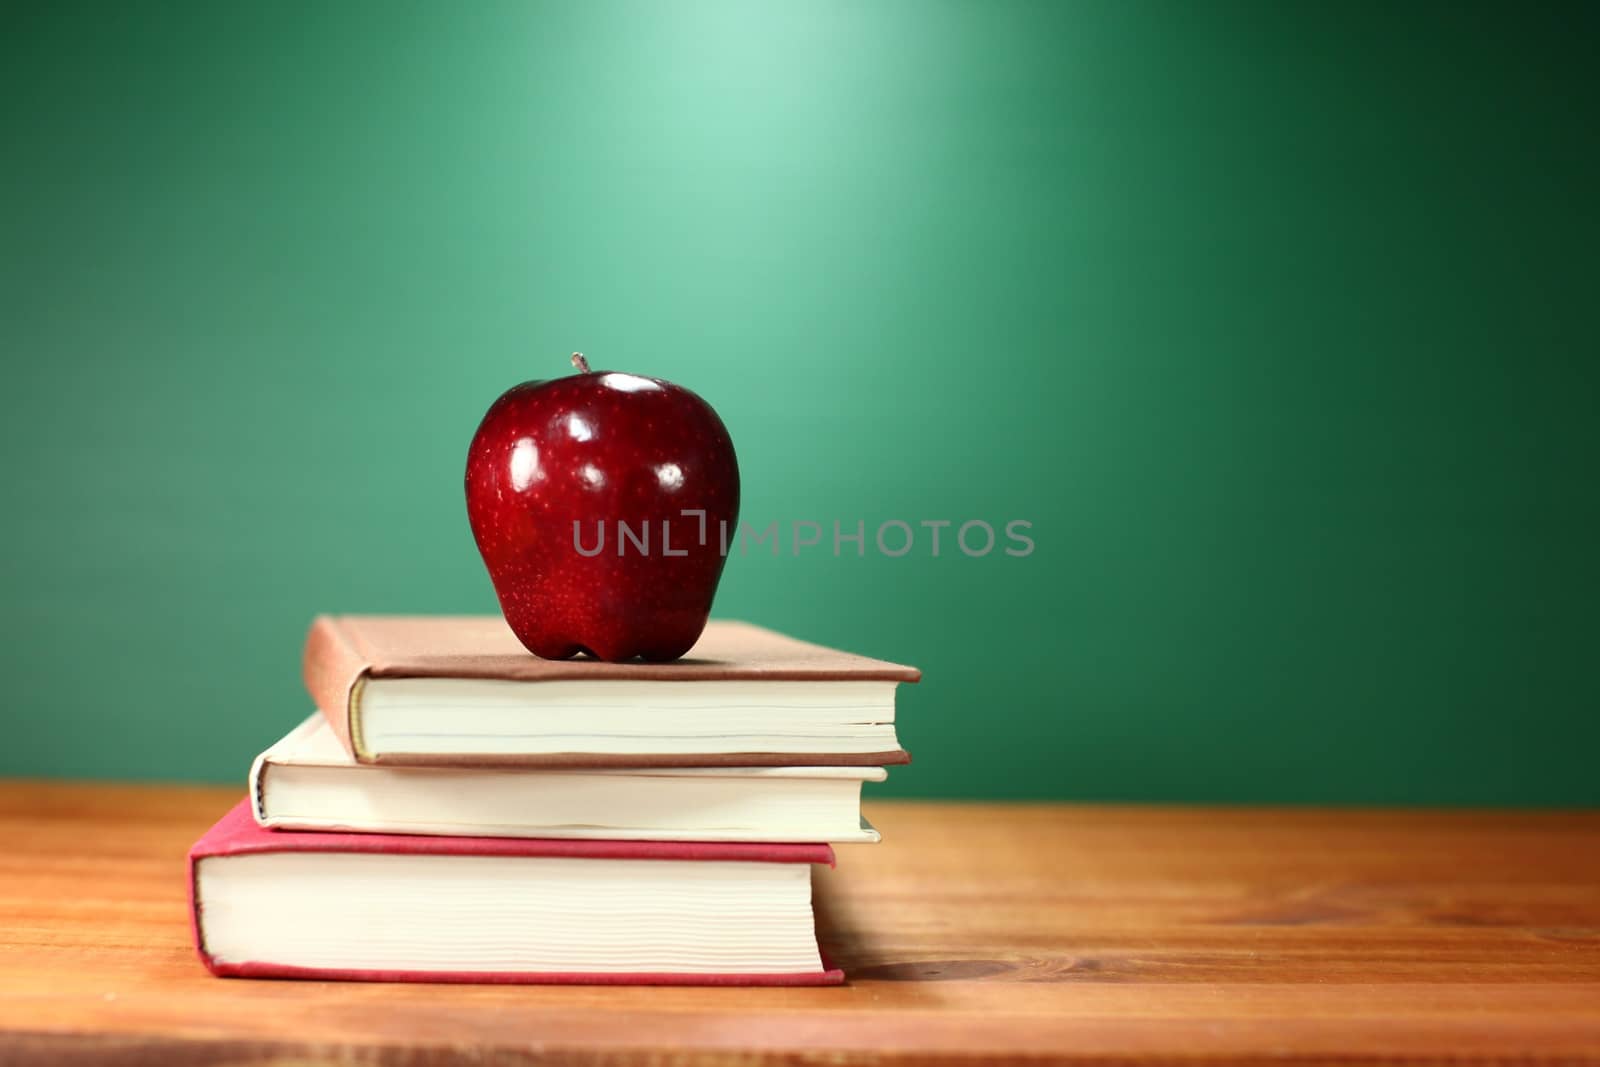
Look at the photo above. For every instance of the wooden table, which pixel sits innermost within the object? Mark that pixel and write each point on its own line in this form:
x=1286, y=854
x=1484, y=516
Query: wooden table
x=974, y=931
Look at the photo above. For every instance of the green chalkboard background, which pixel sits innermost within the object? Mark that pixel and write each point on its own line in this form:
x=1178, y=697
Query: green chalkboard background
x=1279, y=322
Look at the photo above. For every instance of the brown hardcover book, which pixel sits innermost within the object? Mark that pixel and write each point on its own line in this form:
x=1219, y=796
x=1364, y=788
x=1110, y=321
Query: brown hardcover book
x=461, y=690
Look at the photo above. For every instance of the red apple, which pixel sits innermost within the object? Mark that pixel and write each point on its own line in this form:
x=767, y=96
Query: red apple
x=643, y=468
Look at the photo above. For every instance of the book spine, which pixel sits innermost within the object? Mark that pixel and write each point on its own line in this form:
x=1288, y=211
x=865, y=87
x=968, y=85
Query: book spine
x=333, y=669
x=258, y=790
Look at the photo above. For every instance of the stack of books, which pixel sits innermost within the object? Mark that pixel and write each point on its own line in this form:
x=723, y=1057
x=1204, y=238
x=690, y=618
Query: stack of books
x=460, y=810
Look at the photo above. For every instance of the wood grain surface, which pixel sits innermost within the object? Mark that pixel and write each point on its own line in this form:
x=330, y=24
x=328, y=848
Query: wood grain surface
x=974, y=933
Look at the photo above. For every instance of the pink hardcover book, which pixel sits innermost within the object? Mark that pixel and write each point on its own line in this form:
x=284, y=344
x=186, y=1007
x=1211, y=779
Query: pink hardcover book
x=401, y=908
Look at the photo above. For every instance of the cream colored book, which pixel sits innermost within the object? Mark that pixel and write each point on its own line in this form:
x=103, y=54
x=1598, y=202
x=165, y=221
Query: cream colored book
x=307, y=781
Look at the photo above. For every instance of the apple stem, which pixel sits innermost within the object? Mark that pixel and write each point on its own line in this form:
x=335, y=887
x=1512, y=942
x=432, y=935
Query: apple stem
x=579, y=362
